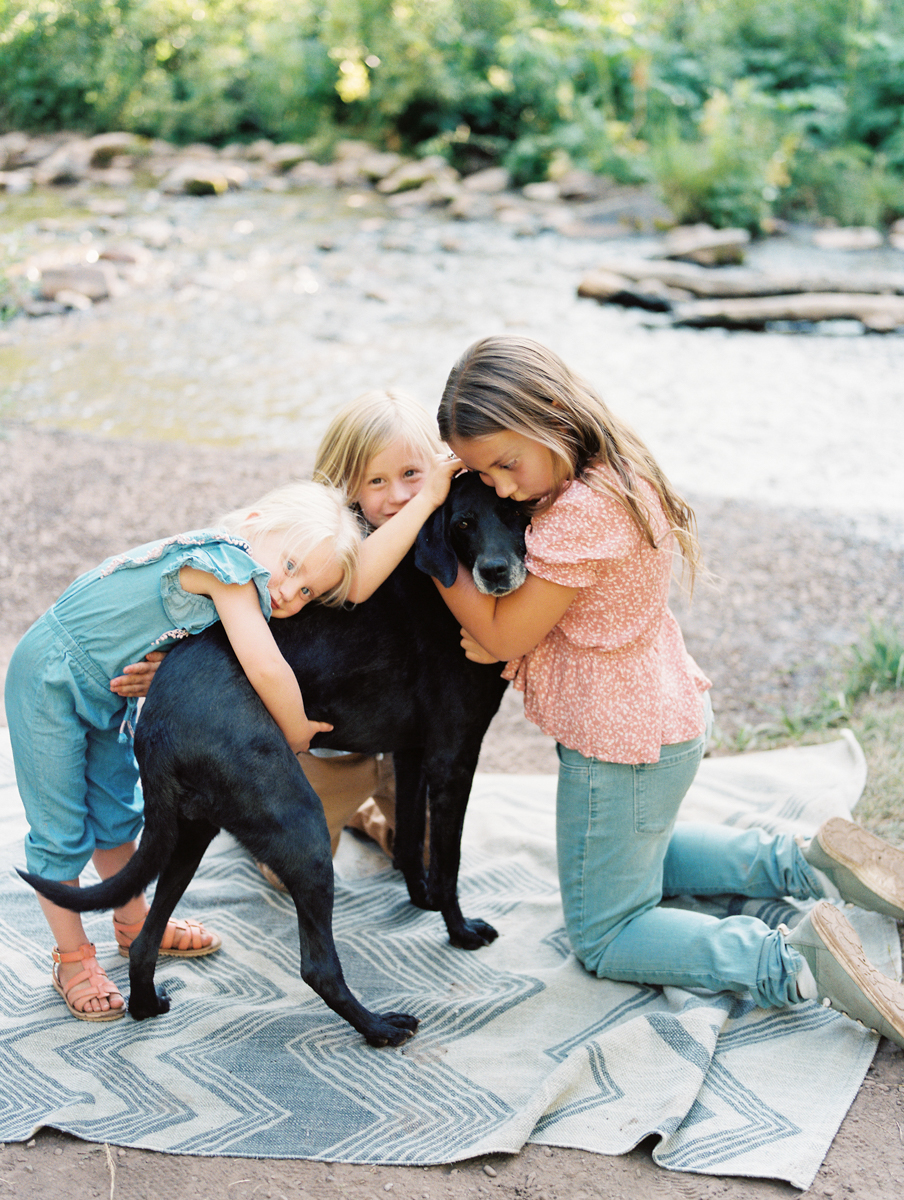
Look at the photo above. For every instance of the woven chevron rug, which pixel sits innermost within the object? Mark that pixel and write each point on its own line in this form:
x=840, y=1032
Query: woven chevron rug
x=516, y=1043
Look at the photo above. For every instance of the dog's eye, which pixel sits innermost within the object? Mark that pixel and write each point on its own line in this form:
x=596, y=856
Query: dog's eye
x=464, y=523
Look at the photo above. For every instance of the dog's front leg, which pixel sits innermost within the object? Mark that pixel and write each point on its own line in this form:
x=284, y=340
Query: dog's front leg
x=411, y=822
x=448, y=802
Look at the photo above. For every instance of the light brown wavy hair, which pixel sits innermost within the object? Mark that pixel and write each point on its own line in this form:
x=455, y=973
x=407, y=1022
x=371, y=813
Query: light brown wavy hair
x=513, y=383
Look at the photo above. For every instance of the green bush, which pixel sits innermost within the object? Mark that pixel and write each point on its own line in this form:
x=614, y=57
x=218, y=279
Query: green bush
x=741, y=108
x=846, y=182
x=731, y=172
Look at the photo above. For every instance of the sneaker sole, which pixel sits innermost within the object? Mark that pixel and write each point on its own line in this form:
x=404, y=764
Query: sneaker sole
x=886, y=996
x=852, y=847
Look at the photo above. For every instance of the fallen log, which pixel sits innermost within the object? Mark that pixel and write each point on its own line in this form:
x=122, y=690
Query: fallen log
x=879, y=313
x=740, y=282
x=609, y=288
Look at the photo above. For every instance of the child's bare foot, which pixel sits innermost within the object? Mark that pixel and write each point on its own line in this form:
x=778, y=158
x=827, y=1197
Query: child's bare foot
x=82, y=982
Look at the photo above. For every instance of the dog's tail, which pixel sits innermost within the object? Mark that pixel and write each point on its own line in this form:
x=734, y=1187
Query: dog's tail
x=152, y=855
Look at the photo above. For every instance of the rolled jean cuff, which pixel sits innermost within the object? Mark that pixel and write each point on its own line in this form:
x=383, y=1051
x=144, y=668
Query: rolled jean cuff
x=780, y=965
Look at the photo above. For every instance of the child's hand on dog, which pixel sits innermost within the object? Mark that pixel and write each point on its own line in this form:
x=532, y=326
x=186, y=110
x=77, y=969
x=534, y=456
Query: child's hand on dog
x=138, y=677
x=313, y=727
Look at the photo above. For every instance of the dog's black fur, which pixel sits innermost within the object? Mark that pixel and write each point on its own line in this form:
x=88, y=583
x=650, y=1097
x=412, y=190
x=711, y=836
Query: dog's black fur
x=390, y=676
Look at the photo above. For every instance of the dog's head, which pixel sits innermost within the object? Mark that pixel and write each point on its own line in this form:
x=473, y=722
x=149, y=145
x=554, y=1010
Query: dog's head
x=480, y=529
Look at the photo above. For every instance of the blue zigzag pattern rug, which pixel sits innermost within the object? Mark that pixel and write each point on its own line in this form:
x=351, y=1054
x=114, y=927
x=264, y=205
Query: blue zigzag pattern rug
x=517, y=1042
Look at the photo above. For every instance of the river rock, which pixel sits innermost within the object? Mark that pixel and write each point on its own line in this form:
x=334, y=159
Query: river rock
x=95, y=282
x=472, y=206
x=377, y=164
x=578, y=184
x=544, y=191
x=74, y=300
x=202, y=178
x=853, y=237
x=281, y=157
x=17, y=183
x=12, y=146
x=416, y=173
x=490, y=181
x=882, y=314
x=706, y=246
x=113, y=176
x=67, y=164
x=434, y=193
x=103, y=148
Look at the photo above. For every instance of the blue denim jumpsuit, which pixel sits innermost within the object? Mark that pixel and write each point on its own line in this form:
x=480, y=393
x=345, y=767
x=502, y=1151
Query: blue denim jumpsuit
x=75, y=768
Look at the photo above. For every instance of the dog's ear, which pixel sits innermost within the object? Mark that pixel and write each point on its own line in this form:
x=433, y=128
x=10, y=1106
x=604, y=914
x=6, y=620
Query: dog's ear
x=433, y=553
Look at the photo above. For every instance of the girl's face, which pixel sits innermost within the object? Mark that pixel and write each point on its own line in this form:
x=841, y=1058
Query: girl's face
x=392, y=478
x=294, y=582
x=513, y=464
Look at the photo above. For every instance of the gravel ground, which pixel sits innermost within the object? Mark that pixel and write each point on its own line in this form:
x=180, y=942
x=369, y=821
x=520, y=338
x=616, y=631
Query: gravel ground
x=196, y=389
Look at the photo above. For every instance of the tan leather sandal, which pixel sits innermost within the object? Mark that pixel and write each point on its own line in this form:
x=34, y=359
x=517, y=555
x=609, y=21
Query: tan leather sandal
x=181, y=939
x=101, y=986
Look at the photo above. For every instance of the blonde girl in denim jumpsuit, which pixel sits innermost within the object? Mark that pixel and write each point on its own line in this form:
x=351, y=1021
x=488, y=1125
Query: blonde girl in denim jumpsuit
x=590, y=640
x=75, y=769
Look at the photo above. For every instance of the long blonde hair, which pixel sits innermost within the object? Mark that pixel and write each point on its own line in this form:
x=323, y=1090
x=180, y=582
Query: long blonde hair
x=364, y=428
x=306, y=514
x=513, y=383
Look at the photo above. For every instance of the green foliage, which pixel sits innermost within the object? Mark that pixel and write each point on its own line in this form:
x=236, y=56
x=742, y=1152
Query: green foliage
x=876, y=662
x=871, y=667
x=9, y=298
x=731, y=171
x=828, y=79
x=743, y=108
x=846, y=181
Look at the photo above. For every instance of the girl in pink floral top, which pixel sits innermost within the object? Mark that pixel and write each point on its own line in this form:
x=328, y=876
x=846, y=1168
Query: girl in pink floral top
x=590, y=640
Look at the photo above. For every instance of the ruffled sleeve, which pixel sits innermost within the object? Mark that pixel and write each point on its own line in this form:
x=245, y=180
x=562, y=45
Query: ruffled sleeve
x=228, y=561
x=574, y=541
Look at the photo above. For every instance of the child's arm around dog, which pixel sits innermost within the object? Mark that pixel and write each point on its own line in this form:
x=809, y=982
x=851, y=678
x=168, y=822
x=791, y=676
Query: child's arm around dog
x=249, y=635
x=384, y=548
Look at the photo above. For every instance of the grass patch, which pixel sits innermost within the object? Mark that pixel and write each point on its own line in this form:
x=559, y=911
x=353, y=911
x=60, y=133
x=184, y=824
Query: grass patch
x=865, y=695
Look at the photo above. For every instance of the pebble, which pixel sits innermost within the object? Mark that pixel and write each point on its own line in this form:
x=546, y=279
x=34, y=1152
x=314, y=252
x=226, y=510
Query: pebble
x=488, y=1170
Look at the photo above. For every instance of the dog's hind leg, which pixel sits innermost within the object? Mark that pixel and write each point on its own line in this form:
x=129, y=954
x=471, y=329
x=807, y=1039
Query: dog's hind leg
x=308, y=876
x=145, y=1000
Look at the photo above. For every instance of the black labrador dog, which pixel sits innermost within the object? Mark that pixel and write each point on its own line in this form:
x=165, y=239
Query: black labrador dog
x=390, y=676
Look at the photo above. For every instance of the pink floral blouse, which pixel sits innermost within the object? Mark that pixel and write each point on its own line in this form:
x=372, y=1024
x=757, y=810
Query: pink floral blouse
x=613, y=679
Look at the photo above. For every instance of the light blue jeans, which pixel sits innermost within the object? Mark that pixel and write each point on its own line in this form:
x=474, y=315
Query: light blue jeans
x=78, y=782
x=620, y=853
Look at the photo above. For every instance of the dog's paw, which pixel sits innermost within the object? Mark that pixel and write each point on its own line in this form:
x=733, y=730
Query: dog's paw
x=392, y=1029
x=472, y=934
x=156, y=1006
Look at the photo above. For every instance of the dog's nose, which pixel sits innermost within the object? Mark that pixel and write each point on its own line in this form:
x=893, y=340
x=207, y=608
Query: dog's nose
x=493, y=571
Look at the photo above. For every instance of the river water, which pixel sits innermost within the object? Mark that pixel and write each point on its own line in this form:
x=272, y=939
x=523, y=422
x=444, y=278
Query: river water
x=253, y=316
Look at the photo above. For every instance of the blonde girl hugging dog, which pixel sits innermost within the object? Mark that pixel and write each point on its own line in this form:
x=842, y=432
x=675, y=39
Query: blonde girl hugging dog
x=383, y=451
x=69, y=728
